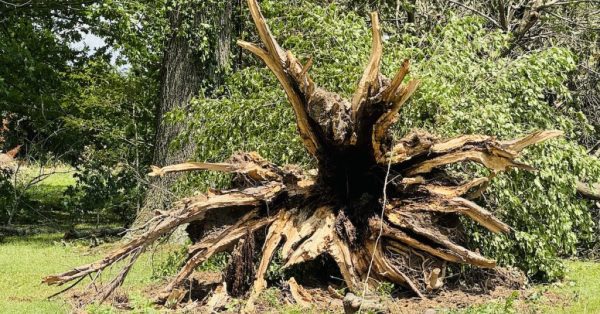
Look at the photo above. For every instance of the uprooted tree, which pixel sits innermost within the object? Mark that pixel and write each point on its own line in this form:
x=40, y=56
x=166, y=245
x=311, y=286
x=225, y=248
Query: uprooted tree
x=383, y=210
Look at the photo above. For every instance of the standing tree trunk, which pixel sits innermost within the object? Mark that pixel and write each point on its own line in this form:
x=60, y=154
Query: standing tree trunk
x=186, y=68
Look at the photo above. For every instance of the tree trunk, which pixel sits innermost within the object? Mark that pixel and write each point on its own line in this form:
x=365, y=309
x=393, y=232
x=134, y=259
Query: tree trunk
x=185, y=70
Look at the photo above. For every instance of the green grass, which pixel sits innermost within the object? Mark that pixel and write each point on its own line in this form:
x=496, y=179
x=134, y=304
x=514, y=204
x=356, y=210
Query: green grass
x=23, y=263
x=579, y=292
x=39, y=195
x=50, y=190
x=580, y=289
x=25, y=260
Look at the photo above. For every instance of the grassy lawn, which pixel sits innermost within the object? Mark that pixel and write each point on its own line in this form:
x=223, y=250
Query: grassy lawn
x=25, y=260
x=580, y=291
x=39, y=195
x=50, y=190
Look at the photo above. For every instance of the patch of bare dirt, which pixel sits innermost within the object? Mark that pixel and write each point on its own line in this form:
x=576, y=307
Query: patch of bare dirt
x=463, y=290
x=20, y=299
x=79, y=299
x=450, y=299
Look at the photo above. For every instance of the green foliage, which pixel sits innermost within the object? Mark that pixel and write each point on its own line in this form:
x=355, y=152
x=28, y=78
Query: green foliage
x=171, y=264
x=467, y=87
x=110, y=129
x=35, y=58
x=215, y=263
x=7, y=199
x=104, y=187
x=385, y=289
x=77, y=105
x=275, y=271
x=135, y=29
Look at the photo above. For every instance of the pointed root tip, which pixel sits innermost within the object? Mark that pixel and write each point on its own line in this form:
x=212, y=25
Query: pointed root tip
x=50, y=280
x=156, y=172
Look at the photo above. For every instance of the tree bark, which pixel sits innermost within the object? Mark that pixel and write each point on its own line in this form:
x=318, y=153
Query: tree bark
x=185, y=70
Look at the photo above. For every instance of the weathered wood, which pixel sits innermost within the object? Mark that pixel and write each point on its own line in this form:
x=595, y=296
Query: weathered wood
x=452, y=205
x=375, y=228
x=250, y=164
x=391, y=91
x=589, y=191
x=206, y=248
x=381, y=127
x=188, y=210
x=453, y=191
x=485, y=157
x=519, y=144
x=400, y=236
x=300, y=295
x=420, y=143
x=369, y=84
x=275, y=58
x=274, y=236
x=217, y=300
x=468, y=257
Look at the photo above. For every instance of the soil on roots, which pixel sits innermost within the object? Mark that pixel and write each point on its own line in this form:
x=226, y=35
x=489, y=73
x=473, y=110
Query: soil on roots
x=407, y=235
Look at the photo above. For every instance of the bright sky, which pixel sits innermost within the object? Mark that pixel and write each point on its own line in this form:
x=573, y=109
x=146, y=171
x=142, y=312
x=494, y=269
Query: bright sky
x=94, y=42
x=90, y=40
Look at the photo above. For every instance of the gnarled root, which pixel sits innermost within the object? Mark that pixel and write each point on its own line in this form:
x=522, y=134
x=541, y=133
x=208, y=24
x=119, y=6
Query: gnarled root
x=186, y=211
x=404, y=230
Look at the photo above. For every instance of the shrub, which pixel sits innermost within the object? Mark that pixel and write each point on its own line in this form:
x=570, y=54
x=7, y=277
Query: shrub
x=110, y=121
x=6, y=195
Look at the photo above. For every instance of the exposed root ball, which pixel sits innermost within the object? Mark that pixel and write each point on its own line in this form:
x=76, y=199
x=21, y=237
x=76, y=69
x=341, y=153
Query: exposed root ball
x=403, y=231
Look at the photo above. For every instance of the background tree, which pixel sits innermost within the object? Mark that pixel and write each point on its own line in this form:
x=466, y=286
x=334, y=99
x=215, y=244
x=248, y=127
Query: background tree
x=35, y=58
x=88, y=108
x=196, y=55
